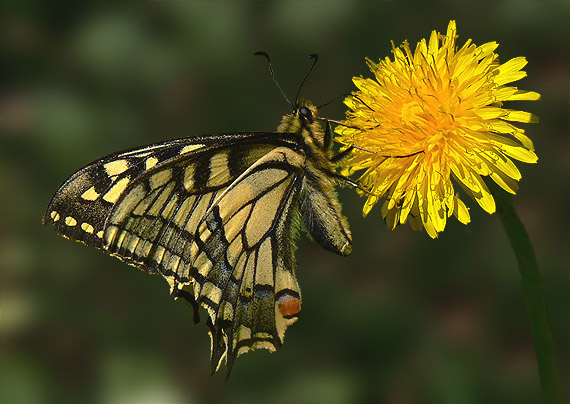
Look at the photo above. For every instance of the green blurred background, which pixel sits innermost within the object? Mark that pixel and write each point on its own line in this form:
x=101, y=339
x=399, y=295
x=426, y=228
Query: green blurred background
x=404, y=319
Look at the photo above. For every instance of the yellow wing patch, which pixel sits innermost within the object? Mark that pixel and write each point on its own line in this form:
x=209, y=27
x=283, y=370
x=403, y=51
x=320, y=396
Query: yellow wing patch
x=116, y=167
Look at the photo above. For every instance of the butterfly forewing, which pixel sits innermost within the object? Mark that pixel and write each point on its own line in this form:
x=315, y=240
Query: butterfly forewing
x=80, y=207
x=153, y=222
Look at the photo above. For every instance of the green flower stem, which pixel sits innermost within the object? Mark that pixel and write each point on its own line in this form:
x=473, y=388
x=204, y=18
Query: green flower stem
x=534, y=297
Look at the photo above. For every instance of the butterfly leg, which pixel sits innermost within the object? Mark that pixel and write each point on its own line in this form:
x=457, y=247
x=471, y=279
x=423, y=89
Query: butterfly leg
x=327, y=141
x=343, y=154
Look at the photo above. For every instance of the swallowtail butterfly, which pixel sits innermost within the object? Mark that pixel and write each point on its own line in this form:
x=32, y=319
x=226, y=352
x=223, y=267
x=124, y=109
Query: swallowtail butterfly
x=217, y=217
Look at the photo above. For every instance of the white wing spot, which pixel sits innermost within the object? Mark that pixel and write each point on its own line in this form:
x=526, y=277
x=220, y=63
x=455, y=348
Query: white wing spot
x=116, y=167
x=87, y=228
x=150, y=162
x=116, y=190
x=191, y=147
x=90, y=194
x=70, y=221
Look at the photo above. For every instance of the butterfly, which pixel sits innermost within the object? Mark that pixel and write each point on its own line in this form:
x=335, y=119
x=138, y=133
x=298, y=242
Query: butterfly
x=218, y=217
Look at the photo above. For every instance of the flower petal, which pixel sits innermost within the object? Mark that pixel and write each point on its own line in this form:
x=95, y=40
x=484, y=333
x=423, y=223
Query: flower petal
x=510, y=71
x=524, y=96
x=460, y=210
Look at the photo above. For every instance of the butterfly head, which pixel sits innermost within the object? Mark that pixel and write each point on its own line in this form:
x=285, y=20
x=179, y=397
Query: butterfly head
x=304, y=121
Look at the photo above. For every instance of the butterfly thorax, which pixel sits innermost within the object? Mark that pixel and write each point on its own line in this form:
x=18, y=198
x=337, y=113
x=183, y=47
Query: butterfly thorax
x=318, y=199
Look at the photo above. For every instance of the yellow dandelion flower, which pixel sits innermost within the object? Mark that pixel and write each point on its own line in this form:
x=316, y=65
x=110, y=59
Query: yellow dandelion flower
x=432, y=115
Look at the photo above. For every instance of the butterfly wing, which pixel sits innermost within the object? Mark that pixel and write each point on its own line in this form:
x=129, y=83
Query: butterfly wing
x=215, y=216
x=155, y=208
x=244, y=273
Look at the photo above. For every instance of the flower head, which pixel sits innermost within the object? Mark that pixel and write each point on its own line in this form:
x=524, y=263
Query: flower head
x=432, y=115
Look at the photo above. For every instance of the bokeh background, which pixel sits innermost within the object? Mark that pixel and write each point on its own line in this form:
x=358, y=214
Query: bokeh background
x=404, y=319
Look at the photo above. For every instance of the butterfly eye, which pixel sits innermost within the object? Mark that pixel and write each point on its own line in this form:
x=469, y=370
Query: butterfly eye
x=305, y=113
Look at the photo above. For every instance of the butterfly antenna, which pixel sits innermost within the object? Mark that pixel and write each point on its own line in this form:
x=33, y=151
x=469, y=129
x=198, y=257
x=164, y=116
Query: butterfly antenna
x=347, y=95
x=315, y=57
x=333, y=100
x=264, y=54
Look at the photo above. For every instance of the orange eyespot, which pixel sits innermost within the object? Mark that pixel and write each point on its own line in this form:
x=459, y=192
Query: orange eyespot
x=289, y=306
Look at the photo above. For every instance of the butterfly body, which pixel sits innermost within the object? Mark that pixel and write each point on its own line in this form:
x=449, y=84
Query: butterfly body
x=217, y=217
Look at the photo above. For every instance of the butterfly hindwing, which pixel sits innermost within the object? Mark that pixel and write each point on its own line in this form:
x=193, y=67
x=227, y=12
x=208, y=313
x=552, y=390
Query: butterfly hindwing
x=81, y=205
x=245, y=270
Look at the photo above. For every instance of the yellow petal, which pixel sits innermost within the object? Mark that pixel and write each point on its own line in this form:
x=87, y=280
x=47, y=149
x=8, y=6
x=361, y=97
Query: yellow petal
x=451, y=29
x=490, y=113
x=484, y=197
x=524, y=96
x=520, y=116
x=461, y=211
x=505, y=182
x=390, y=216
x=510, y=71
x=415, y=217
x=520, y=153
x=430, y=229
x=487, y=48
x=370, y=202
x=504, y=93
x=407, y=205
x=496, y=161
